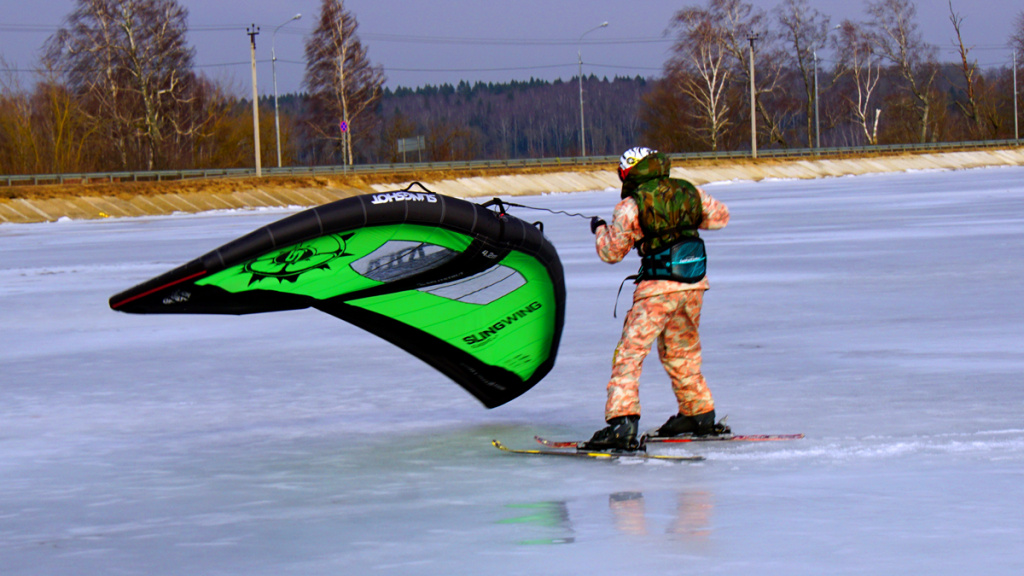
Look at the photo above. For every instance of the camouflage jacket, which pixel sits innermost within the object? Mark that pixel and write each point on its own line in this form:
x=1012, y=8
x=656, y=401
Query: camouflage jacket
x=623, y=232
x=668, y=208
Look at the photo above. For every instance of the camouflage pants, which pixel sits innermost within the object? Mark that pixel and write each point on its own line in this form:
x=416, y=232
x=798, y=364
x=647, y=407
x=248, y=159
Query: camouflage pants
x=672, y=319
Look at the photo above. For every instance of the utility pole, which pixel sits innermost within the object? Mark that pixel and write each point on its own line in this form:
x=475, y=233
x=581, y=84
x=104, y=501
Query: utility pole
x=254, y=31
x=753, y=98
x=579, y=53
x=817, y=120
x=1016, y=131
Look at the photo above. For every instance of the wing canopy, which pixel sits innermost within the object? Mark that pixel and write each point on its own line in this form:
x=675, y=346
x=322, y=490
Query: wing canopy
x=478, y=295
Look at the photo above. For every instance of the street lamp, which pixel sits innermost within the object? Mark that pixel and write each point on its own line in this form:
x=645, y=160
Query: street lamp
x=579, y=53
x=273, y=67
x=753, y=97
x=1016, y=130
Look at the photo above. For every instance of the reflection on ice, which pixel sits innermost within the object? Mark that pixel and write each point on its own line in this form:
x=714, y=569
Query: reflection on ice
x=684, y=517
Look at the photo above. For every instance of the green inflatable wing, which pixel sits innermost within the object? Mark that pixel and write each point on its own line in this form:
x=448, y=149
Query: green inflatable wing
x=475, y=293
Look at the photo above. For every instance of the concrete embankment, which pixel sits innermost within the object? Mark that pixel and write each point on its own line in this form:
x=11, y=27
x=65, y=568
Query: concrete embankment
x=88, y=201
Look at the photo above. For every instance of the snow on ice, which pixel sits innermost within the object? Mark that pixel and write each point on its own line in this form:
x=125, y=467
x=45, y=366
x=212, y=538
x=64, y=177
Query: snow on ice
x=880, y=315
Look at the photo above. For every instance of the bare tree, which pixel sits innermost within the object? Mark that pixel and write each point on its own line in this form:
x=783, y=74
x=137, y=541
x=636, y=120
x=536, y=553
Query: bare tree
x=128, y=63
x=899, y=41
x=858, y=61
x=698, y=69
x=805, y=30
x=739, y=22
x=971, y=108
x=1017, y=43
x=710, y=63
x=43, y=130
x=19, y=152
x=1017, y=37
x=343, y=85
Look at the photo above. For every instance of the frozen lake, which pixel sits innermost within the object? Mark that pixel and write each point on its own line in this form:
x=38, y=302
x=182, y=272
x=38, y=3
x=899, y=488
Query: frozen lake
x=881, y=315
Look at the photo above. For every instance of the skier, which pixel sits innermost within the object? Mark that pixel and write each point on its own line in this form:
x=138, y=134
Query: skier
x=659, y=215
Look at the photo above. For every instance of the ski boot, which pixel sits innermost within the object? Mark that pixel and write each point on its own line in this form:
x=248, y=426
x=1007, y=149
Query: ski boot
x=699, y=425
x=619, y=435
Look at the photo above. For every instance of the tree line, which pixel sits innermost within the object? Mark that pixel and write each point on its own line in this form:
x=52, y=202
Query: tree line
x=117, y=90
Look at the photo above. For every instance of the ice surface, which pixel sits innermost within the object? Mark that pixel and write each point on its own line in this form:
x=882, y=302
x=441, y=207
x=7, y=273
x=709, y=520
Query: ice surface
x=880, y=315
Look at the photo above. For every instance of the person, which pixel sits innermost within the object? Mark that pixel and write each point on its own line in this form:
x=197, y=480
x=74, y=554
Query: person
x=659, y=215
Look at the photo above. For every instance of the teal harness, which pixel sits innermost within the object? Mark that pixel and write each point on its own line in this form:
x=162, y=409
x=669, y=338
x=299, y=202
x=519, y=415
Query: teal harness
x=683, y=261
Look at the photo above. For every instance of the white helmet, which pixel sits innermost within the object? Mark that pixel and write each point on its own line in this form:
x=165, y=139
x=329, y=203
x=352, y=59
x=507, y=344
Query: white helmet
x=631, y=157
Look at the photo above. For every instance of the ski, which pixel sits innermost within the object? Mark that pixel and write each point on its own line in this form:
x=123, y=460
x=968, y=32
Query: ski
x=596, y=455
x=722, y=438
x=644, y=440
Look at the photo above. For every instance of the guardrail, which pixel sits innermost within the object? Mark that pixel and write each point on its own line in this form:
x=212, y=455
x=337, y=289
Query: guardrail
x=308, y=171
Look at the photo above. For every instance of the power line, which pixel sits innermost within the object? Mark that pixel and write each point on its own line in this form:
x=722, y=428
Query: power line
x=460, y=41
x=403, y=39
x=456, y=40
x=504, y=69
x=397, y=38
x=390, y=68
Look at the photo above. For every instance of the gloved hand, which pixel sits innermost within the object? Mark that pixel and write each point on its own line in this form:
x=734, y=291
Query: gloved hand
x=595, y=222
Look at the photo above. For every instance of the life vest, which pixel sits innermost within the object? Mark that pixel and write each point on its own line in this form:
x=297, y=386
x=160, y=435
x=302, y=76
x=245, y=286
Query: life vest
x=669, y=211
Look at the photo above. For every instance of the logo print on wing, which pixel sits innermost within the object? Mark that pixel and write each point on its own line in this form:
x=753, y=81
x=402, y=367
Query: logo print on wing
x=287, y=265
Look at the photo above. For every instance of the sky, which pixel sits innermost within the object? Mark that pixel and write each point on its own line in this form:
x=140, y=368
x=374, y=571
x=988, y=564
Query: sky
x=430, y=43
